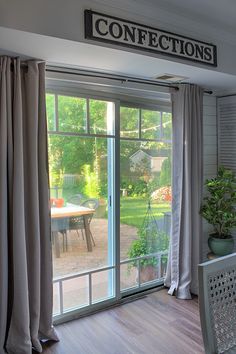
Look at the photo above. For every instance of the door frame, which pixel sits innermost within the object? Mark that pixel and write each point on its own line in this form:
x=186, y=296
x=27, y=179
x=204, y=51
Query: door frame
x=115, y=200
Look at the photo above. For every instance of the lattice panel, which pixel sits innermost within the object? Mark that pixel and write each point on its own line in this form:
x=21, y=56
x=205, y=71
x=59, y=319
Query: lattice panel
x=222, y=306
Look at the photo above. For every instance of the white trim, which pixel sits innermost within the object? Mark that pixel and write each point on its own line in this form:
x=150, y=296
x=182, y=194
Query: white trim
x=138, y=94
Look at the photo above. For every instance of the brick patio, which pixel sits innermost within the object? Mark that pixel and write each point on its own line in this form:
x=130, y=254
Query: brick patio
x=77, y=258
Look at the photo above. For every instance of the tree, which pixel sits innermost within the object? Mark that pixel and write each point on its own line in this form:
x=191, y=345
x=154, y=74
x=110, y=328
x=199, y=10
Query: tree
x=70, y=154
x=165, y=176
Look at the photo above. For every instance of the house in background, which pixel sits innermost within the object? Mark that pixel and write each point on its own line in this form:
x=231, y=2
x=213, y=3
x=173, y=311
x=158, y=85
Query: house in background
x=152, y=158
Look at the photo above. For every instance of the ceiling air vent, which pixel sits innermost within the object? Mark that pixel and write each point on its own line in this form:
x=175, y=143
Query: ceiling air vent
x=171, y=78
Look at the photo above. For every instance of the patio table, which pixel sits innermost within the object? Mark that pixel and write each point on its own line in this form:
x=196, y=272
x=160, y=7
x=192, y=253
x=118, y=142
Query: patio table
x=60, y=221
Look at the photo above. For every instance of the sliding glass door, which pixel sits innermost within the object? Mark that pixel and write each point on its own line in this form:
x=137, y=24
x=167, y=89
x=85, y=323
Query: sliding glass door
x=145, y=184
x=81, y=145
x=110, y=167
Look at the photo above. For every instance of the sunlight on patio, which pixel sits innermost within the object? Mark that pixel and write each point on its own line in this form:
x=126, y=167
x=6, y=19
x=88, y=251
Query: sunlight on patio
x=77, y=259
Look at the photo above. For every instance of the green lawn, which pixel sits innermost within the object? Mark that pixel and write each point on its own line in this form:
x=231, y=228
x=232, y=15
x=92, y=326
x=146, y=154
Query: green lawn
x=133, y=210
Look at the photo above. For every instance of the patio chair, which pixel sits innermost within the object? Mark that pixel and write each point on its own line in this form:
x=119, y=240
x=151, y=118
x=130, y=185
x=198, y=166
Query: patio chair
x=59, y=226
x=76, y=199
x=92, y=204
x=77, y=222
x=217, y=300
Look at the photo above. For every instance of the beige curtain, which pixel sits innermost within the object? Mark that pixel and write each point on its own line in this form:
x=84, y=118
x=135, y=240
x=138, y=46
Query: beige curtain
x=25, y=249
x=187, y=178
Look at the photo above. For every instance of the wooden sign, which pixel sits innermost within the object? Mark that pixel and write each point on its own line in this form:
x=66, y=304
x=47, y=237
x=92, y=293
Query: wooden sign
x=110, y=29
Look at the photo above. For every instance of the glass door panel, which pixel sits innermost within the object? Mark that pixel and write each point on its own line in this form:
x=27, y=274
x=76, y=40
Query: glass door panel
x=81, y=180
x=145, y=199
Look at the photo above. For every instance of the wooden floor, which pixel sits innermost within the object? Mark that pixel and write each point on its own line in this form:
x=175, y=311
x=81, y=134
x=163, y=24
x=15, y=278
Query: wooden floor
x=155, y=324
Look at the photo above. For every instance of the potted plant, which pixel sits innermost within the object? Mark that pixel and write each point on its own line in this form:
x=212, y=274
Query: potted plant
x=149, y=241
x=218, y=209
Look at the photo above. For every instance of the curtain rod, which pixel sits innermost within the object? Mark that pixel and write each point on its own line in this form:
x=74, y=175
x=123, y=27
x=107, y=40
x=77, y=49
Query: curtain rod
x=116, y=77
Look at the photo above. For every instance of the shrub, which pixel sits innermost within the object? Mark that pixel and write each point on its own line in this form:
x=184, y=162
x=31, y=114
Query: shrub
x=154, y=183
x=165, y=176
x=135, y=188
x=149, y=241
x=163, y=194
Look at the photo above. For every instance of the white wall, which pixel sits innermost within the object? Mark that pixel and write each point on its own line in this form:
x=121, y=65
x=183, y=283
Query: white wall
x=226, y=110
x=209, y=154
x=64, y=20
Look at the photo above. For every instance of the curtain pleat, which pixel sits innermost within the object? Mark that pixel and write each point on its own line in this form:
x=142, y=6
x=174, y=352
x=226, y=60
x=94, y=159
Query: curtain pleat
x=26, y=266
x=187, y=178
x=3, y=204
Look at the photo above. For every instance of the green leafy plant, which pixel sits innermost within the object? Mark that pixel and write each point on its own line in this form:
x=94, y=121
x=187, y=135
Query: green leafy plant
x=218, y=206
x=165, y=175
x=92, y=187
x=149, y=241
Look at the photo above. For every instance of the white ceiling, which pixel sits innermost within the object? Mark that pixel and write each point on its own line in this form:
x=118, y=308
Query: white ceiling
x=218, y=14
x=214, y=12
